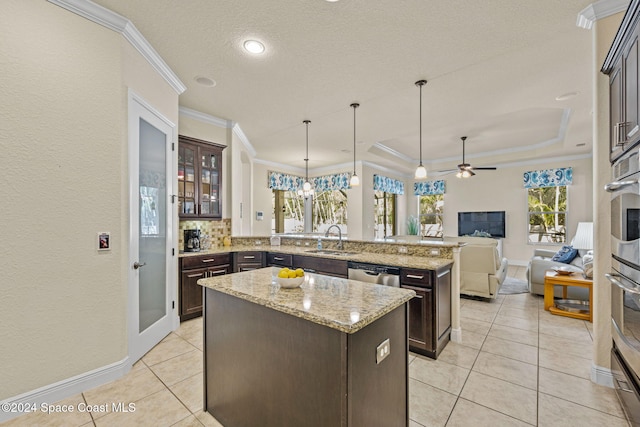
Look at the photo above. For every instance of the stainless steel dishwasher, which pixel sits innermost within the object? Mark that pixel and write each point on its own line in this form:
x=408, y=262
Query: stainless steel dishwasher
x=374, y=273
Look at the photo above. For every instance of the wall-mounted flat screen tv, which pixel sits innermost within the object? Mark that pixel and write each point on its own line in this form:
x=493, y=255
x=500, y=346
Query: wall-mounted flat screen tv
x=487, y=224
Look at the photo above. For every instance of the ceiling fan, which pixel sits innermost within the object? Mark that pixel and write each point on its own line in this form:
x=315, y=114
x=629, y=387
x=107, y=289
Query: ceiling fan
x=465, y=170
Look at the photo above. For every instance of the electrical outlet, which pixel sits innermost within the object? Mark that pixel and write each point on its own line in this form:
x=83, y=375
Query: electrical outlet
x=435, y=252
x=383, y=350
x=402, y=249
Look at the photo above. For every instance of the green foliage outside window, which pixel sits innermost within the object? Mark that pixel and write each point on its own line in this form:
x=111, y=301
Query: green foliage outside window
x=431, y=212
x=547, y=214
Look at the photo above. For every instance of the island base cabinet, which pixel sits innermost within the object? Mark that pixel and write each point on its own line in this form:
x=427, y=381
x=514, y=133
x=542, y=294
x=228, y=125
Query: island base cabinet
x=268, y=368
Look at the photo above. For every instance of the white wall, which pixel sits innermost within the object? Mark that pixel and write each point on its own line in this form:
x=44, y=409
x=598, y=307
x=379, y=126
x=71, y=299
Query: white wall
x=64, y=168
x=503, y=190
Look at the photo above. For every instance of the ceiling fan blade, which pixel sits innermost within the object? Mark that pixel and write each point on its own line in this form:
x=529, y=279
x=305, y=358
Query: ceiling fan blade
x=447, y=170
x=485, y=169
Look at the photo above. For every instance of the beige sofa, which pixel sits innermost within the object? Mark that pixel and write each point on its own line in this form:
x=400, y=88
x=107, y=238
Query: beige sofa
x=482, y=271
x=541, y=262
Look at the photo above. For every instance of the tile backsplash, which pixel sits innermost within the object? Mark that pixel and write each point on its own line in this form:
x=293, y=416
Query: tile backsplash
x=216, y=230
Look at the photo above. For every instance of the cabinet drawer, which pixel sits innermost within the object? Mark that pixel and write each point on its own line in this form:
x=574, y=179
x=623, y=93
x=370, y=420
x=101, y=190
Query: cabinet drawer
x=285, y=260
x=204, y=260
x=249, y=256
x=415, y=277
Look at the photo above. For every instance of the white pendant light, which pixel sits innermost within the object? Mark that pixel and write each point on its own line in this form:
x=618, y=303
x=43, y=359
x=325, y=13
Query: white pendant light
x=421, y=171
x=307, y=189
x=355, y=181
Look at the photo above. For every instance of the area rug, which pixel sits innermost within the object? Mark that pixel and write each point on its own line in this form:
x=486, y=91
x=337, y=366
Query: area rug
x=511, y=285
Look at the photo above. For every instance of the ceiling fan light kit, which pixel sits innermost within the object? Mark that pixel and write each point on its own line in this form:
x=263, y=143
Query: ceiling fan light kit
x=354, y=181
x=421, y=171
x=465, y=170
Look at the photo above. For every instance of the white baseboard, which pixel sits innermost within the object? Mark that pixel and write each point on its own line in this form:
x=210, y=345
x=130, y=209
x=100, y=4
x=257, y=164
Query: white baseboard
x=518, y=263
x=456, y=335
x=68, y=387
x=601, y=376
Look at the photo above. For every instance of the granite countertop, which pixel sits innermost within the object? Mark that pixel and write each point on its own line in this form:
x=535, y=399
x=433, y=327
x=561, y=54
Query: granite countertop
x=426, y=263
x=342, y=304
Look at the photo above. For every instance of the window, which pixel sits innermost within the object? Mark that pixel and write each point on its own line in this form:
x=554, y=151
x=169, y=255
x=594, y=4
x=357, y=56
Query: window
x=385, y=214
x=288, y=212
x=431, y=211
x=547, y=214
x=330, y=207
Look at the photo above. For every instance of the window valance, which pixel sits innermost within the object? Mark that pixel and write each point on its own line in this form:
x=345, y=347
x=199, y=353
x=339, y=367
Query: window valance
x=428, y=188
x=338, y=181
x=548, y=178
x=285, y=182
x=388, y=185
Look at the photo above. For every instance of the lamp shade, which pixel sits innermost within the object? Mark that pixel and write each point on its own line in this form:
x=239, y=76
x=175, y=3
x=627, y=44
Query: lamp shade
x=584, y=236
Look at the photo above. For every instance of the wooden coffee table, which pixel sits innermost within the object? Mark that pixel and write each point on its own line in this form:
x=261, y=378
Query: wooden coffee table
x=552, y=279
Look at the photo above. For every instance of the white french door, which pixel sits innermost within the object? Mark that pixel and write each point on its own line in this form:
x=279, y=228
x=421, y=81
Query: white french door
x=152, y=276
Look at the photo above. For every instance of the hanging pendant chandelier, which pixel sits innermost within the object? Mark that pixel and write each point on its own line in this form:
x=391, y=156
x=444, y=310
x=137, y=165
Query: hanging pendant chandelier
x=355, y=181
x=307, y=189
x=421, y=171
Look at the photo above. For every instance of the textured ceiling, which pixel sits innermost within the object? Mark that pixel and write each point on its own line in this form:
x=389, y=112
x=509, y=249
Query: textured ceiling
x=494, y=69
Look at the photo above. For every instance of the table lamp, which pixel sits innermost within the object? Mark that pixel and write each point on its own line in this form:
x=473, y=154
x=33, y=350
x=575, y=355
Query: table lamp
x=584, y=236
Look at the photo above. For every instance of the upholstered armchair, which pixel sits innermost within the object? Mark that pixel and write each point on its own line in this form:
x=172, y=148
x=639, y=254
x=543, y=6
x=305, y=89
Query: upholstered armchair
x=482, y=271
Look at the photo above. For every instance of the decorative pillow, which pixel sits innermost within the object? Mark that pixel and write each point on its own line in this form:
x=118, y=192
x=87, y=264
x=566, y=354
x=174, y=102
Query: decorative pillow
x=566, y=254
x=587, y=265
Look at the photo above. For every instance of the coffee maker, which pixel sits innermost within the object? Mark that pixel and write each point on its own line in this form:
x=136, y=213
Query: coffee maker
x=192, y=240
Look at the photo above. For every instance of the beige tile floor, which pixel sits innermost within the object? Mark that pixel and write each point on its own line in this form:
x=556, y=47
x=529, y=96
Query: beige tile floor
x=518, y=365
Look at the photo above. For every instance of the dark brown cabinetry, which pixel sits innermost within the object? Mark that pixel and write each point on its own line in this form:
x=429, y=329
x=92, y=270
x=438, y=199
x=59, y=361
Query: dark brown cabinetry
x=330, y=267
x=199, y=179
x=192, y=269
x=279, y=260
x=622, y=66
x=430, y=310
x=249, y=260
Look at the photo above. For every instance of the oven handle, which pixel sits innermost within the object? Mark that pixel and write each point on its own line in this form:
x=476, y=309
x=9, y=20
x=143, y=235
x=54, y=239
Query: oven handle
x=617, y=185
x=612, y=279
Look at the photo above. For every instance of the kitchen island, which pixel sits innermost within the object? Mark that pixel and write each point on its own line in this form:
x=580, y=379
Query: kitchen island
x=317, y=355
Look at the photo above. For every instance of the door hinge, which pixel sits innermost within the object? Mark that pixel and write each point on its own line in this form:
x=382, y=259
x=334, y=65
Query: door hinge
x=173, y=305
x=173, y=251
x=173, y=146
x=173, y=198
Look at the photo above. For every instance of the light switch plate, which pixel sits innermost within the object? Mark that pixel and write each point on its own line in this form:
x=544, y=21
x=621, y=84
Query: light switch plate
x=383, y=350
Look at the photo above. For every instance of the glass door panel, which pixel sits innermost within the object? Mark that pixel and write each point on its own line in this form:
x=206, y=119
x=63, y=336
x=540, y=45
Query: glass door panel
x=152, y=237
x=186, y=180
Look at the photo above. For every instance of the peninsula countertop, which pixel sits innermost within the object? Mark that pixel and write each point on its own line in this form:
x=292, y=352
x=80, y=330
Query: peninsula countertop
x=342, y=304
x=394, y=260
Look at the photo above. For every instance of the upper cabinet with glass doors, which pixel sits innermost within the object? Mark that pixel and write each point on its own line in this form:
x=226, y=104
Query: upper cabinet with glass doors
x=199, y=178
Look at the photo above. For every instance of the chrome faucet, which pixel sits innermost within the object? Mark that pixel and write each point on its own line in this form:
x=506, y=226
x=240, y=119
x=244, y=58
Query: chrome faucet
x=340, y=246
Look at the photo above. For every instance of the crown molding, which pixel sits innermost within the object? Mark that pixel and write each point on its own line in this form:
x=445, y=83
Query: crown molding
x=205, y=118
x=598, y=10
x=281, y=167
x=243, y=138
x=393, y=152
x=111, y=20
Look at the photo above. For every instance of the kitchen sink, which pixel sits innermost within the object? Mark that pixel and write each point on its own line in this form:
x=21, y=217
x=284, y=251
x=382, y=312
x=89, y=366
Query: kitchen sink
x=330, y=252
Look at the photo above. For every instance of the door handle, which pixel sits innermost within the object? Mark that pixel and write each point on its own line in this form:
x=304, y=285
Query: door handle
x=137, y=265
x=617, y=185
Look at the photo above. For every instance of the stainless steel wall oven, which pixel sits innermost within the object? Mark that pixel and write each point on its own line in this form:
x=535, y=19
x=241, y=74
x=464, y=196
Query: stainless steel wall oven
x=625, y=282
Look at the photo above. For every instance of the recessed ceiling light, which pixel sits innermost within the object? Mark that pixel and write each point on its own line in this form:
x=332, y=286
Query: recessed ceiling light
x=566, y=96
x=253, y=46
x=332, y=1
x=205, y=81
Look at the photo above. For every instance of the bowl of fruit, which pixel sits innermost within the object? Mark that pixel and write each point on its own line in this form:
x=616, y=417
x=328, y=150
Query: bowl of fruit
x=289, y=279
